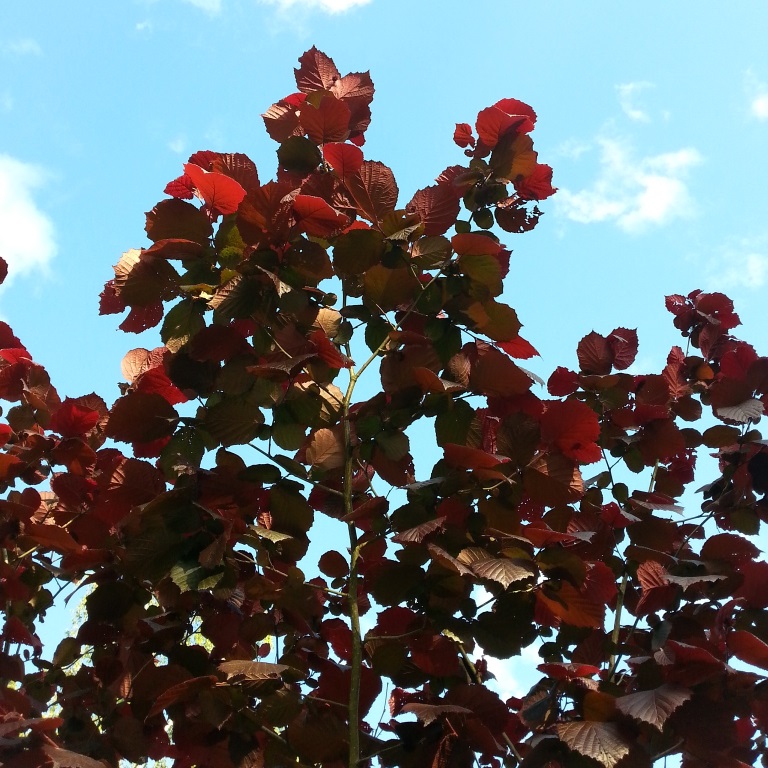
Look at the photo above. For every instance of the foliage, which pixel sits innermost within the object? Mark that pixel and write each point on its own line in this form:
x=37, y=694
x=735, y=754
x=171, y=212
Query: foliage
x=528, y=529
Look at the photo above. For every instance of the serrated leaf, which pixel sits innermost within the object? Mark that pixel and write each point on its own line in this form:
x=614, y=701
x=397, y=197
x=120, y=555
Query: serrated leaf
x=655, y=706
x=749, y=410
x=252, y=670
x=600, y=741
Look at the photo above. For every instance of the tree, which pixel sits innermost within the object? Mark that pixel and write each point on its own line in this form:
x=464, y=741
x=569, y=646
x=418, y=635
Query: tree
x=312, y=332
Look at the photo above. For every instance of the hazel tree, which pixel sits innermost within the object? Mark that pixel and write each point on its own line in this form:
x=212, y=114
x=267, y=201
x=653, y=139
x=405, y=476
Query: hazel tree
x=316, y=332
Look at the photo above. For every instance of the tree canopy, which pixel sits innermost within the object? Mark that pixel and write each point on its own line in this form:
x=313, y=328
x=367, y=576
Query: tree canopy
x=316, y=334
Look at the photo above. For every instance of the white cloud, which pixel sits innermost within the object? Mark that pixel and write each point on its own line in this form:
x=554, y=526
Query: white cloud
x=634, y=193
x=627, y=93
x=757, y=93
x=6, y=102
x=178, y=144
x=144, y=26
x=212, y=7
x=759, y=106
x=329, y=6
x=24, y=46
x=27, y=239
x=743, y=264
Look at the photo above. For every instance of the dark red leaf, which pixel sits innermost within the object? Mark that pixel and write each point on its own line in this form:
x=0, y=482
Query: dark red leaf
x=315, y=217
x=326, y=122
x=374, y=190
x=75, y=418
x=316, y=72
x=463, y=135
x=573, y=428
x=562, y=382
x=595, y=354
x=437, y=207
x=345, y=159
x=518, y=348
x=748, y=648
x=537, y=185
x=562, y=671
x=141, y=418
x=623, y=344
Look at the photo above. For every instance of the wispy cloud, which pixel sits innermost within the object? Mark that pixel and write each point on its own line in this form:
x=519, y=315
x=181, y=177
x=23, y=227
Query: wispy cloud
x=633, y=192
x=178, y=144
x=328, y=6
x=757, y=93
x=741, y=264
x=25, y=46
x=212, y=7
x=143, y=26
x=27, y=238
x=627, y=93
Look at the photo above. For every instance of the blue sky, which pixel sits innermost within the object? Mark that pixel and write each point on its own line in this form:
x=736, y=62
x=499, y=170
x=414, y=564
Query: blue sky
x=654, y=117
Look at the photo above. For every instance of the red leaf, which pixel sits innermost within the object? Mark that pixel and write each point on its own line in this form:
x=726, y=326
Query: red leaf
x=239, y=167
x=74, y=418
x=52, y=537
x=218, y=343
x=327, y=122
x=474, y=244
x=753, y=587
x=437, y=207
x=748, y=648
x=537, y=185
x=463, y=135
x=315, y=217
x=181, y=187
x=221, y=193
x=729, y=547
x=374, y=190
x=282, y=119
x=345, y=159
x=15, y=631
x=3, y=270
x=141, y=318
x=141, y=418
x=623, y=343
x=573, y=606
x=328, y=352
x=518, y=348
x=471, y=458
x=562, y=382
x=356, y=90
x=156, y=380
x=595, y=354
x=316, y=73
x=504, y=116
x=435, y=655
x=573, y=428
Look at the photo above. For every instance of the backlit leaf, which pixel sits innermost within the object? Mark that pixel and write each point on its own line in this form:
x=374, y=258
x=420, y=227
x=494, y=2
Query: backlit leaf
x=316, y=72
x=599, y=740
x=345, y=159
x=315, y=217
x=655, y=706
x=221, y=193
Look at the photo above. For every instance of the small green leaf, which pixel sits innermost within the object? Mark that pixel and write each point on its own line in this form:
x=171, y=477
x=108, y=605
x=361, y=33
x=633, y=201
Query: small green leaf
x=299, y=155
